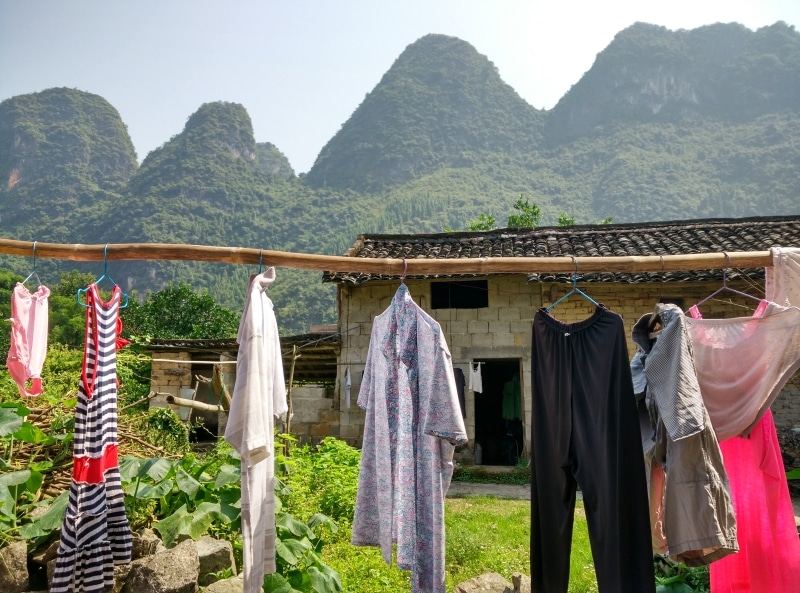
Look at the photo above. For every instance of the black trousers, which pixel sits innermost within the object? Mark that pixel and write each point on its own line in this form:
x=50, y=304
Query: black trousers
x=585, y=431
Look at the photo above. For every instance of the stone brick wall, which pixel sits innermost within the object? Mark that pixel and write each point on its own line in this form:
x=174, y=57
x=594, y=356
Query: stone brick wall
x=313, y=414
x=503, y=331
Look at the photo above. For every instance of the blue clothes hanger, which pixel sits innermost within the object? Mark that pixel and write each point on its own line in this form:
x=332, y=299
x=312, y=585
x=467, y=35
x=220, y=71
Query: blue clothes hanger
x=574, y=289
x=105, y=276
x=725, y=284
x=33, y=273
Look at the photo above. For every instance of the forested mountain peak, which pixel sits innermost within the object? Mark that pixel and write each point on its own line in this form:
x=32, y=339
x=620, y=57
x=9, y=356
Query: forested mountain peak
x=439, y=105
x=62, y=152
x=215, y=146
x=64, y=128
x=651, y=74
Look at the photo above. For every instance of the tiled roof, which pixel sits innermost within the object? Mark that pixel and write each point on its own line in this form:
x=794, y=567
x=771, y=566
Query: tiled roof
x=655, y=238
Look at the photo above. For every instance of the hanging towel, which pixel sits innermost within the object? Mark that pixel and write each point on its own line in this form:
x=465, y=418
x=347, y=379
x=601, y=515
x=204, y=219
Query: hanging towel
x=259, y=398
x=347, y=386
x=475, y=380
x=26, y=352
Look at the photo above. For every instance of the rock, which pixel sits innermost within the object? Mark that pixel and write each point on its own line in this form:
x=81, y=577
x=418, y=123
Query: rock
x=522, y=582
x=490, y=582
x=231, y=585
x=14, y=567
x=42, y=557
x=172, y=571
x=121, y=572
x=214, y=555
x=146, y=543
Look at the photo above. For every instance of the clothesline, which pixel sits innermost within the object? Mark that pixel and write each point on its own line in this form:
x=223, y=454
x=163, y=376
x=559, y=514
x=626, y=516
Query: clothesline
x=387, y=266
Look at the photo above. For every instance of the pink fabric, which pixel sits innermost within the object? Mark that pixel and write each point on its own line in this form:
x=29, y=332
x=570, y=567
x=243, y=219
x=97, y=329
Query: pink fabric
x=769, y=548
x=29, y=315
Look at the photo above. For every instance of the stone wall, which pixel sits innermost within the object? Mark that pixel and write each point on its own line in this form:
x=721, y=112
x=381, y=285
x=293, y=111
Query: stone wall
x=313, y=413
x=503, y=331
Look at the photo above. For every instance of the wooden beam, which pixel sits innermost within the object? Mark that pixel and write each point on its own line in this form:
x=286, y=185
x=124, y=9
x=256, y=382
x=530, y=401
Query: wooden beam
x=387, y=266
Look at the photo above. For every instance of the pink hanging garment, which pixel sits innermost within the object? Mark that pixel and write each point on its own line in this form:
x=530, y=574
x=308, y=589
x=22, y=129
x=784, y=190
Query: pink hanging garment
x=29, y=315
x=769, y=548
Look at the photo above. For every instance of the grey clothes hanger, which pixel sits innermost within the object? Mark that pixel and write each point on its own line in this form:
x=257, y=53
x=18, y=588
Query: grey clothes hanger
x=33, y=273
x=725, y=285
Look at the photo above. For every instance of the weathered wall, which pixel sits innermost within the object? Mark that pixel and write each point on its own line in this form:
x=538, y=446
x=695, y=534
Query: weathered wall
x=503, y=331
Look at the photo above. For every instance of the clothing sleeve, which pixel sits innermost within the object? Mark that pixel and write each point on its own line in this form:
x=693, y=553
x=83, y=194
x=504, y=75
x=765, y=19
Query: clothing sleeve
x=672, y=379
x=245, y=430
x=442, y=417
x=274, y=360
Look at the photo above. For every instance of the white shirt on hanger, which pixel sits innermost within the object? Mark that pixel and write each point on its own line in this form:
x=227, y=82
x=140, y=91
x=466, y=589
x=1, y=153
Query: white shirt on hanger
x=259, y=398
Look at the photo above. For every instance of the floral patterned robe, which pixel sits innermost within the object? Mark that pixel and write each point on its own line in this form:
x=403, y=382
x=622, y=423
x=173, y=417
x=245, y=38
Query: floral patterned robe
x=413, y=423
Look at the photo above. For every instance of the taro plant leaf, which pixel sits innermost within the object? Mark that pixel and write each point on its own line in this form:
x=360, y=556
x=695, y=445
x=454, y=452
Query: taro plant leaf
x=35, y=481
x=176, y=524
x=292, y=525
x=129, y=467
x=320, y=519
x=153, y=491
x=186, y=483
x=324, y=579
x=53, y=517
x=10, y=421
x=203, y=517
x=228, y=474
x=292, y=550
x=230, y=504
x=29, y=433
x=7, y=503
x=157, y=468
x=275, y=583
x=15, y=478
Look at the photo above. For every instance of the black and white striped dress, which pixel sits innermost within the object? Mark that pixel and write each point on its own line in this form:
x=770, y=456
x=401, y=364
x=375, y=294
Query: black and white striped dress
x=95, y=535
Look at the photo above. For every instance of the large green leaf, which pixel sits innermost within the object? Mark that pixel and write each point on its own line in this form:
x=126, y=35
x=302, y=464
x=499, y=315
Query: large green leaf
x=15, y=478
x=186, y=483
x=29, y=433
x=129, y=467
x=171, y=527
x=10, y=421
x=275, y=583
x=292, y=550
x=324, y=579
x=228, y=474
x=157, y=468
x=320, y=519
x=54, y=516
x=295, y=527
x=203, y=517
x=7, y=503
x=148, y=491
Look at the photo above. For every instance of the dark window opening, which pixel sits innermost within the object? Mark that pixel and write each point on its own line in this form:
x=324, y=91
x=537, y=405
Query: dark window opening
x=463, y=294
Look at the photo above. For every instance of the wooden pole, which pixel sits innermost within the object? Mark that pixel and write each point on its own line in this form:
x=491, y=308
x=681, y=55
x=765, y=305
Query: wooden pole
x=288, y=427
x=388, y=266
x=195, y=405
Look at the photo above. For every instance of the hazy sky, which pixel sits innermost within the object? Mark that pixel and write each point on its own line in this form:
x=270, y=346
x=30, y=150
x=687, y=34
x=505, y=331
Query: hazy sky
x=301, y=67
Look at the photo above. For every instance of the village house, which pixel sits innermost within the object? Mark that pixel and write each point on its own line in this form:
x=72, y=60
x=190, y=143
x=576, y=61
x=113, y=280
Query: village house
x=487, y=320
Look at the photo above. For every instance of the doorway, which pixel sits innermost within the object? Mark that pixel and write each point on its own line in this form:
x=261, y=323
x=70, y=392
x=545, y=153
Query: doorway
x=498, y=414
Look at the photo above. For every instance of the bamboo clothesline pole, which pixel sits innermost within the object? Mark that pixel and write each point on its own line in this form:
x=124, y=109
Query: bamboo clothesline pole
x=387, y=266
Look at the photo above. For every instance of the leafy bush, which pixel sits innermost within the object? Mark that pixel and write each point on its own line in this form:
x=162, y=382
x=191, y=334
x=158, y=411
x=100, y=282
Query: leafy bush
x=324, y=477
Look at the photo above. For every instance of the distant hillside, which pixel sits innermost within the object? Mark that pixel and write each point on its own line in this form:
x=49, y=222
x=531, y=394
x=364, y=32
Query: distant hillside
x=64, y=155
x=441, y=104
x=665, y=125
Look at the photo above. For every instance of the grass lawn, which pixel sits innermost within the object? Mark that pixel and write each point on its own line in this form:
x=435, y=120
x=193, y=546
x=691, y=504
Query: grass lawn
x=484, y=534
